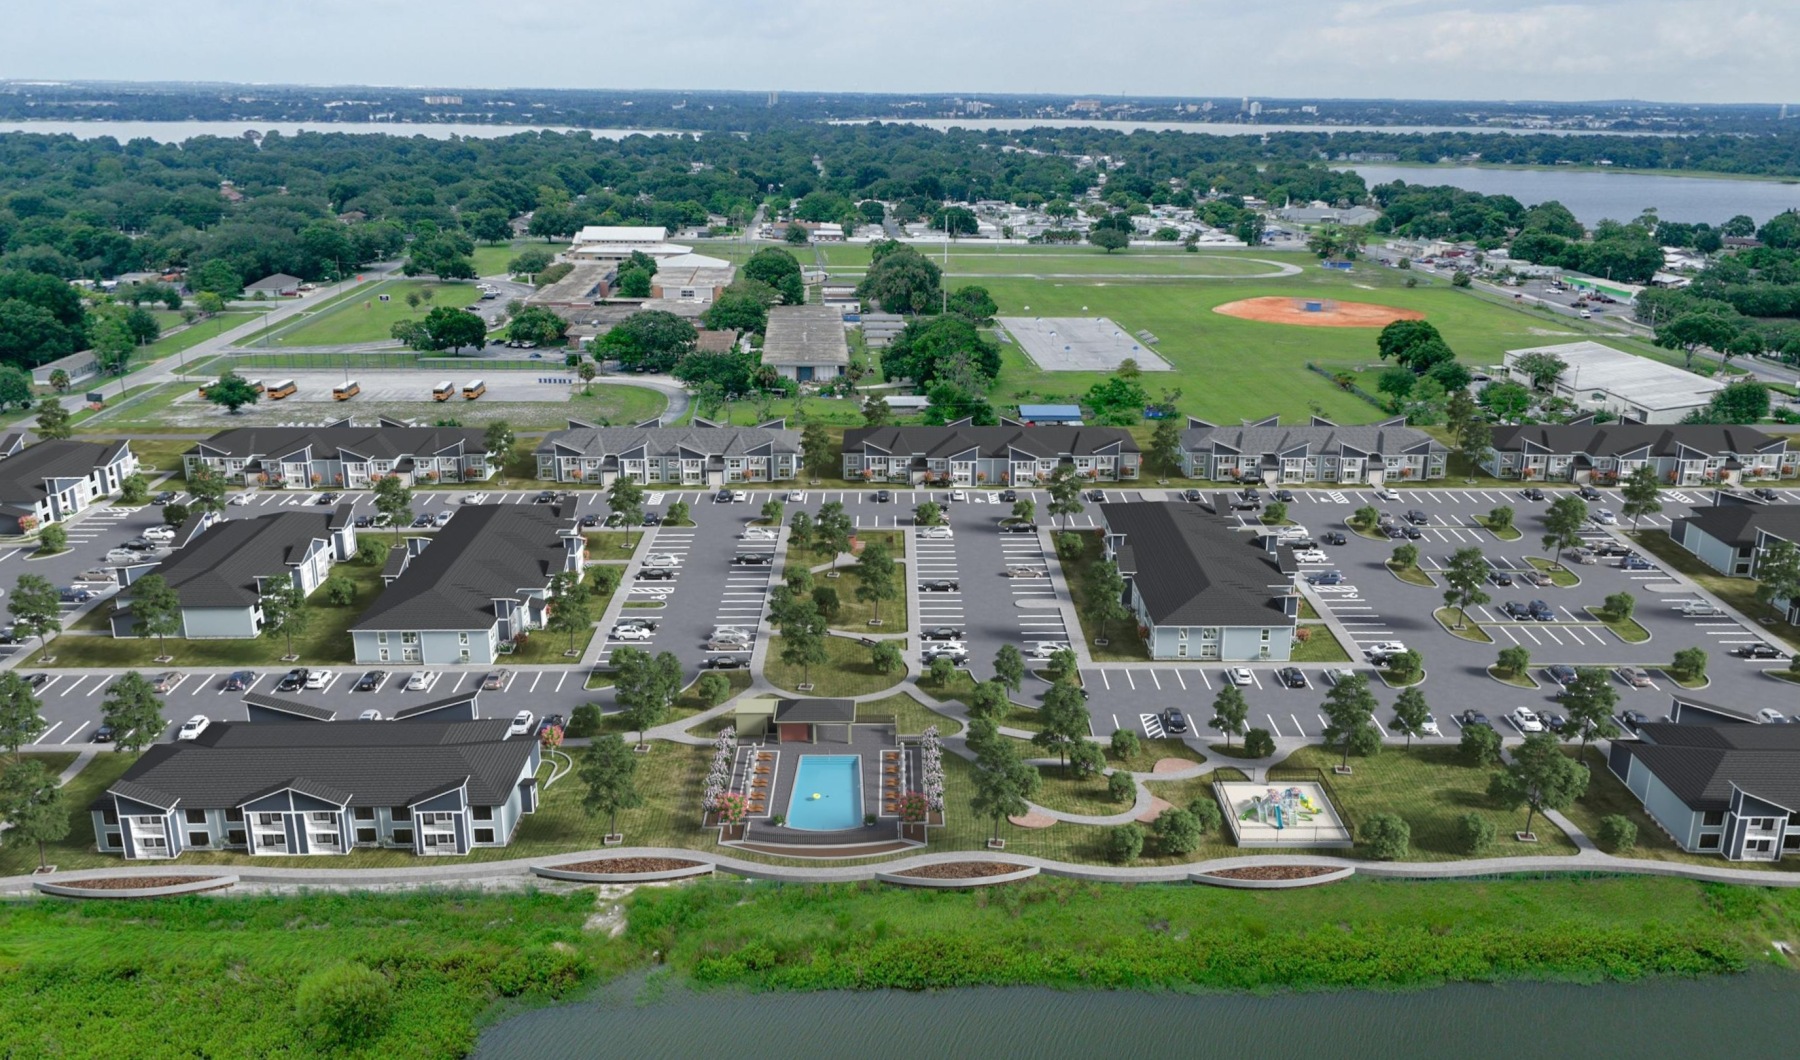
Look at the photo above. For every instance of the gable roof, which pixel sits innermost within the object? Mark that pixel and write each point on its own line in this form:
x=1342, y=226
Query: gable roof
x=1192, y=568
x=1623, y=439
x=1044, y=441
x=1740, y=524
x=221, y=566
x=594, y=442
x=325, y=443
x=22, y=475
x=815, y=711
x=359, y=763
x=1700, y=764
x=1275, y=439
x=299, y=709
x=488, y=552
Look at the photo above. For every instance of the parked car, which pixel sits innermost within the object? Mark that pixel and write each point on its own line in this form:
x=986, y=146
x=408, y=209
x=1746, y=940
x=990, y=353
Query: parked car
x=1583, y=555
x=1536, y=578
x=1610, y=548
x=193, y=727
x=1764, y=493
x=1771, y=716
x=240, y=681
x=420, y=680
x=1311, y=555
x=722, y=497
x=796, y=496
x=1334, y=676
x=1588, y=493
x=1700, y=609
x=1326, y=577
x=291, y=681
x=1191, y=495
x=1525, y=720
x=104, y=734
x=1758, y=650
x=327, y=498
x=741, y=634
x=1009, y=496
x=652, y=519
x=496, y=680
x=317, y=679
x=1043, y=649
x=590, y=520
x=1473, y=717
x=1387, y=493
x=371, y=681
x=544, y=497
x=477, y=497
x=74, y=595
x=1334, y=537
x=661, y=559
x=941, y=633
x=1561, y=674
x=752, y=559
x=650, y=624
x=1606, y=517
x=1515, y=610
x=442, y=519
x=369, y=715
x=165, y=682
x=1417, y=517
x=165, y=497
x=957, y=497
x=1381, y=649
x=1553, y=721
x=623, y=632
x=1532, y=493
x=757, y=533
x=1500, y=577
x=740, y=496
x=1173, y=720
x=1018, y=528
x=940, y=585
x=613, y=519
x=160, y=533
x=1541, y=611
x=1285, y=496
x=1291, y=677
x=883, y=496
x=552, y=721
x=1411, y=532
x=421, y=521
x=1239, y=675
x=1245, y=504
x=1636, y=562
x=1632, y=719
x=1429, y=727
x=363, y=522
x=1097, y=496
x=657, y=574
x=718, y=644
x=936, y=533
x=243, y=498
x=1633, y=676
x=521, y=724
x=728, y=662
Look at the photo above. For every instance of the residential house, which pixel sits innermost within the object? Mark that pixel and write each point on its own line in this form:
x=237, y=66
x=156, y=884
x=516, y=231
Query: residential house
x=962, y=454
x=1687, y=454
x=1726, y=789
x=344, y=455
x=1731, y=538
x=1600, y=378
x=280, y=285
x=221, y=575
x=806, y=343
x=1266, y=452
x=705, y=454
x=466, y=594
x=270, y=789
x=1199, y=586
x=52, y=481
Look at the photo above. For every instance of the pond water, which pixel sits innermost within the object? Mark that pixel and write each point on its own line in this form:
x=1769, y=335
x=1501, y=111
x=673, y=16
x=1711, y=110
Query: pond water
x=1735, y=1017
x=1592, y=195
x=170, y=132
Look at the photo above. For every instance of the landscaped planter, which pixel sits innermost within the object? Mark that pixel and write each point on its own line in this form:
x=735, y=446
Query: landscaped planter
x=1274, y=877
x=958, y=874
x=134, y=886
x=625, y=870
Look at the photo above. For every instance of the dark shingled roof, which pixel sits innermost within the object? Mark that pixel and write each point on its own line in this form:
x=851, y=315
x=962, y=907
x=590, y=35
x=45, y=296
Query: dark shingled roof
x=815, y=711
x=1738, y=524
x=220, y=568
x=290, y=706
x=1617, y=439
x=361, y=763
x=378, y=443
x=1042, y=441
x=1701, y=763
x=488, y=552
x=1191, y=568
x=615, y=442
x=22, y=475
x=1386, y=439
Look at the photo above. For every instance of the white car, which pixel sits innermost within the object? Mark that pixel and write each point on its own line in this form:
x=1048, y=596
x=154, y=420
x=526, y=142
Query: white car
x=945, y=647
x=1526, y=720
x=661, y=559
x=316, y=679
x=475, y=498
x=369, y=715
x=630, y=633
x=1766, y=715
x=935, y=533
x=244, y=498
x=1239, y=675
x=442, y=519
x=193, y=727
x=1311, y=555
x=1700, y=609
x=160, y=533
x=1043, y=649
x=796, y=496
x=1383, y=648
x=1387, y=493
x=740, y=496
x=521, y=724
x=1605, y=517
x=736, y=633
x=758, y=533
x=1334, y=677
x=420, y=681
x=958, y=496
x=1429, y=726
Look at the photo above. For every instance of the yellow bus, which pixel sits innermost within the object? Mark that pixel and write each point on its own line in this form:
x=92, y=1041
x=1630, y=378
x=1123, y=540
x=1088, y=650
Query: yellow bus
x=444, y=391
x=282, y=389
x=348, y=390
x=208, y=385
x=257, y=386
x=474, y=389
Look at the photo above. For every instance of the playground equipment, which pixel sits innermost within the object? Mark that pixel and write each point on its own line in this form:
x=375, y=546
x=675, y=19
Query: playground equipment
x=1279, y=809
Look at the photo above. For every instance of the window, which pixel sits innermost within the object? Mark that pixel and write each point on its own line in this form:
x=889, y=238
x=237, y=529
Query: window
x=322, y=818
x=268, y=820
x=196, y=816
x=484, y=835
x=110, y=815
x=199, y=839
x=272, y=842
x=324, y=839
x=462, y=638
x=484, y=813
x=400, y=813
x=1712, y=819
x=234, y=814
x=403, y=835
x=365, y=813
x=1709, y=842
x=463, y=654
x=365, y=835
x=235, y=837
x=113, y=840
x=409, y=638
x=153, y=844
x=381, y=638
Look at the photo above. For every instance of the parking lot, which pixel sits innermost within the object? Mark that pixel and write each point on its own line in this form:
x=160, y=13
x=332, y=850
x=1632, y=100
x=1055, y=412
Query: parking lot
x=314, y=397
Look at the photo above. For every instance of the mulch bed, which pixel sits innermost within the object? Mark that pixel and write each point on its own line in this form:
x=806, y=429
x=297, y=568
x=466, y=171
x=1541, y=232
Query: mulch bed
x=1274, y=872
x=127, y=883
x=960, y=870
x=625, y=865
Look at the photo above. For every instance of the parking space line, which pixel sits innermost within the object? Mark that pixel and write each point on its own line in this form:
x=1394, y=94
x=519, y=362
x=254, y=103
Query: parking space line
x=77, y=731
x=1274, y=728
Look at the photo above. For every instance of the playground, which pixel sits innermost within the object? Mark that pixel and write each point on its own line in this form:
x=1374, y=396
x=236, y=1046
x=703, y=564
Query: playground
x=1285, y=813
x=1317, y=312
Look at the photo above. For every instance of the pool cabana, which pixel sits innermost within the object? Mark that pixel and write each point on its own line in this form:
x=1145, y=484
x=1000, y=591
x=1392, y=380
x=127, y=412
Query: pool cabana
x=814, y=720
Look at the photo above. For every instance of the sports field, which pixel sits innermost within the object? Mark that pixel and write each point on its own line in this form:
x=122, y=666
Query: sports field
x=364, y=317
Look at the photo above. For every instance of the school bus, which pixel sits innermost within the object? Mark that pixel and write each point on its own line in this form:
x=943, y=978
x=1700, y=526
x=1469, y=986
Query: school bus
x=474, y=389
x=348, y=390
x=204, y=387
x=444, y=391
x=257, y=386
x=282, y=389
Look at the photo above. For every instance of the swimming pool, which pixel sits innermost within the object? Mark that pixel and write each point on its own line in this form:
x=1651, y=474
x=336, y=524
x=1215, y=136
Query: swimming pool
x=837, y=780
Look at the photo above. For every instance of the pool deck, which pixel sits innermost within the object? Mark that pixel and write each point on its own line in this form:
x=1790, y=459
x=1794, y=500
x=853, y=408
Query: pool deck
x=866, y=741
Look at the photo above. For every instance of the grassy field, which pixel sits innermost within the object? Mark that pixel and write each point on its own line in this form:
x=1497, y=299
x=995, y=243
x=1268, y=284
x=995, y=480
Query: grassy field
x=364, y=317
x=1125, y=645
x=188, y=338
x=1062, y=790
x=1320, y=646
x=847, y=671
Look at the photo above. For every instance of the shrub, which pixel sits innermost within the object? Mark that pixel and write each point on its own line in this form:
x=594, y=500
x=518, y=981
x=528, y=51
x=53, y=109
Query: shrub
x=1085, y=759
x=1480, y=746
x=1068, y=544
x=825, y=598
x=1473, y=833
x=1206, y=814
x=339, y=591
x=1177, y=832
x=1124, y=843
x=1120, y=787
x=345, y=1005
x=1258, y=743
x=712, y=689
x=605, y=578
x=1618, y=833
x=584, y=721
x=1386, y=836
x=371, y=552
x=942, y=670
x=1124, y=743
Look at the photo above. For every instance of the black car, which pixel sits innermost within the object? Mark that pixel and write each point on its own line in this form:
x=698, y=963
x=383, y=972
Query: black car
x=1532, y=494
x=641, y=623
x=942, y=633
x=363, y=522
x=590, y=520
x=1018, y=528
x=1191, y=495
x=1097, y=496
x=1500, y=577
x=1633, y=719
x=657, y=574
x=544, y=497
x=240, y=681
x=1473, y=717
x=328, y=498
x=1766, y=494
x=1334, y=537
x=371, y=681
x=1561, y=674
x=614, y=519
x=1285, y=496
x=1758, y=650
x=1417, y=517
x=291, y=681
x=1541, y=611
x=1393, y=533
x=751, y=559
x=165, y=497
x=942, y=585
x=1515, y=609
x=722, y=497
x=421, y=521
x=1291, y=677
x=1552, y=721
x=37, y=681
x=1589, y=493
x=652, y=519
x=1411, y=533
x=553, y=721
x=1008, y=496
x=104, y=734
x=1245, y=504
x=1174, y=720
x=1250, y=493
x=1610, y=548
x=728, y=662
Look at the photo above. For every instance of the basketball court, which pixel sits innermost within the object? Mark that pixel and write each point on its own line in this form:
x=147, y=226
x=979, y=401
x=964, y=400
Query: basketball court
x=1081, y=344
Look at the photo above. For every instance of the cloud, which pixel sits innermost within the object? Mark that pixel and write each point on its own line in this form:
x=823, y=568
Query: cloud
x=1678, y=50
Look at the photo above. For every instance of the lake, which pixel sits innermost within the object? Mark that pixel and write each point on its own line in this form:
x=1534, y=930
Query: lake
x=1593, y=195
x=1735, y=1017
x=170, y=132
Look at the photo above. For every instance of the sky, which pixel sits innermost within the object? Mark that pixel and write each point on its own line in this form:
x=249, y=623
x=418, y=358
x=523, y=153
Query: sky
x=1712, y=51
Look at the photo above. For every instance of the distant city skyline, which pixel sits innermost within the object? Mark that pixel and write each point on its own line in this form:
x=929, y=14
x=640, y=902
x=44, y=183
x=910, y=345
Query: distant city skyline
x=1678, y=51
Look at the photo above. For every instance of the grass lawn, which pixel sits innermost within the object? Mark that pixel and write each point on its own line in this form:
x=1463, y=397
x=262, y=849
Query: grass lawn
x=1062, y=790
x=189, y=337
x=911, y=717
x=1739, y=594
x=76, y=850
x=853, y=614
x=1308, y=613
x=1560, y=576
x=1629, y=629
x=1430, y=788
x=1514, y=679
x=491, y=258
x=543, y=647
x=610, y=545
x=1410, y=574
x=1149, y=752
x=161, y=454
x=1470, y=629
x=1126, y=645
x=1510, y=533
x=1320, y=646
x=365, y=318
x=326, y=640
x=847, y=671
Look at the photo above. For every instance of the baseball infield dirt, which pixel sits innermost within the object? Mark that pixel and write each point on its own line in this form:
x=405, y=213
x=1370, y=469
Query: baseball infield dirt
x=1334, y=314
